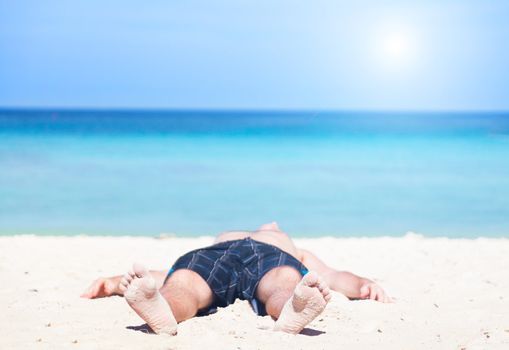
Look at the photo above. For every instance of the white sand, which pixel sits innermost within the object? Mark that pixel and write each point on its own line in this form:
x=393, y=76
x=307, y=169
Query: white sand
x=451, y=294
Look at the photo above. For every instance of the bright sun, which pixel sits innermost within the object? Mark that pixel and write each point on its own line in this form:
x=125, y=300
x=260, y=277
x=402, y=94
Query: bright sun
x=396, y=49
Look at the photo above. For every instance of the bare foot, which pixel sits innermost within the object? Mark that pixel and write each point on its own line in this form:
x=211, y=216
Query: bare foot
x=307, y=302
x=141, y=293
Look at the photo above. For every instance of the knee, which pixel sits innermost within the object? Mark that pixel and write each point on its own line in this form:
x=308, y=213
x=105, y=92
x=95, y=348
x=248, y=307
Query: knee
x=180, y=278
x=283, y=278
x=181, y=283
x=275, y=304
x=279, y=289
x=188, y=285
x=286, y=275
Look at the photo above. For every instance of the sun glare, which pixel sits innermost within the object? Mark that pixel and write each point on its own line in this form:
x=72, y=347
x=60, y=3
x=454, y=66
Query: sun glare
x=395, y=49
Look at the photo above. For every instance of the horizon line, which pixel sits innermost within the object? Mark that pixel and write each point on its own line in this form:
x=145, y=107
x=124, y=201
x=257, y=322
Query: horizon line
x=247, y=110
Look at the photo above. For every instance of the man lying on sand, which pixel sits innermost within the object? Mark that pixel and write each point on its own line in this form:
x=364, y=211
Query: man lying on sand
x=264, y=267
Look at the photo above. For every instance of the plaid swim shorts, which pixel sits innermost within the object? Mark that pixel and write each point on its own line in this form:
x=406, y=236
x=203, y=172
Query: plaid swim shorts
x=233, y=269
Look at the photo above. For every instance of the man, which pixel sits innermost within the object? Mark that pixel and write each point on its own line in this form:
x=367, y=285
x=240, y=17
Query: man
x=265, y=267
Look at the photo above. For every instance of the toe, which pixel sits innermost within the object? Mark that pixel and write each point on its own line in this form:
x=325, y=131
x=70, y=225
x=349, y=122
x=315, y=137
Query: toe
x=128, y=277
x=124, y=282
x=321, y=284
x=140, y=270
x=122, y=288
x=310, y=279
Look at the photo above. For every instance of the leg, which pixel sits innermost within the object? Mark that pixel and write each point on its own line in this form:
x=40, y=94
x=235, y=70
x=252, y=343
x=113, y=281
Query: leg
x=186, y=292
x=292, y=300
x=276, y=287
x=340, y=281
x=156, y=307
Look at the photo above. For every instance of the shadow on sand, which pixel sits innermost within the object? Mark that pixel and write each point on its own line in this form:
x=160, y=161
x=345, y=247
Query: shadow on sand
x=144, y=328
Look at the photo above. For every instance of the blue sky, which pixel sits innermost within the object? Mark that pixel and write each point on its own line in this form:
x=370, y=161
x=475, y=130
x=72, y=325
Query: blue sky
x=390, y=55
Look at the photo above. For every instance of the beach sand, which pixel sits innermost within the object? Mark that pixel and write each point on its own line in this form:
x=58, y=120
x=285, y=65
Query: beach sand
x=450, y=294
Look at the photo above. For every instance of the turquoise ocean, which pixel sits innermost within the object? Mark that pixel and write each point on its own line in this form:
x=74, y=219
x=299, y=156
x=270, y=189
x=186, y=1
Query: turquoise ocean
x=113, y=172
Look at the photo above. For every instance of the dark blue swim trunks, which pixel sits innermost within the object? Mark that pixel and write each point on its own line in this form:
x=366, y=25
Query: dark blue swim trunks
x=233, y=269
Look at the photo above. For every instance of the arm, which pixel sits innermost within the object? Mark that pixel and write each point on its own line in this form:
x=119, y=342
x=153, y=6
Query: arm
x=347, y=283
x=108, y=286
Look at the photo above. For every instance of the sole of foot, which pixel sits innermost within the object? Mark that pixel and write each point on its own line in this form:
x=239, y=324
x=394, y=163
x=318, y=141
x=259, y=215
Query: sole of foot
x=308, y=301
x=140, y=292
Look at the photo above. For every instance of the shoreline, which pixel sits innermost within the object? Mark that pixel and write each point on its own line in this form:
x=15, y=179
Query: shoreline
x=450, y=293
